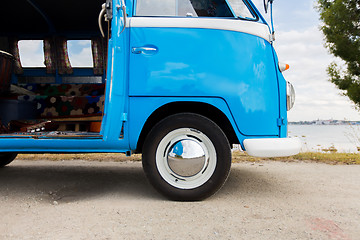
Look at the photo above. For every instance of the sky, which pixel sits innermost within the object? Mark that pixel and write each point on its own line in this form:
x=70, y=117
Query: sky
x=299, y=42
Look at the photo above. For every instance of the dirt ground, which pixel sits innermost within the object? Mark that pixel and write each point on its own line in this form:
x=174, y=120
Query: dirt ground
x=108, y=200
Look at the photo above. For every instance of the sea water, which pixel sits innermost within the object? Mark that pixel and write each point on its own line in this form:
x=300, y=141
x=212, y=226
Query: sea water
x=321, y=138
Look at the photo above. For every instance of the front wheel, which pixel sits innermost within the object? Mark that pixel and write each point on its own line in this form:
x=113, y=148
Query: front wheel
x=6, y=158
x=186, y=157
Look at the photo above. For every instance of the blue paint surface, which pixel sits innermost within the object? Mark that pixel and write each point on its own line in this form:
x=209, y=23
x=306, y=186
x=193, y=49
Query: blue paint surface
x=214, y=63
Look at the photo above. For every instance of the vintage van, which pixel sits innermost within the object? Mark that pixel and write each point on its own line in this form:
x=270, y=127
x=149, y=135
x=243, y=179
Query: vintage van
x=179, y=81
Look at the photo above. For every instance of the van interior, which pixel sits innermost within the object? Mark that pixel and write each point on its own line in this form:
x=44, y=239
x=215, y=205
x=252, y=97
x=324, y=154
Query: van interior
x=45, y=89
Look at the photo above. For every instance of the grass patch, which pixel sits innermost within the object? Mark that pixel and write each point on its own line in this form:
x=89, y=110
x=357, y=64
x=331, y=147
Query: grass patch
x=237, y=156
x=333, y=158
x=330, y=158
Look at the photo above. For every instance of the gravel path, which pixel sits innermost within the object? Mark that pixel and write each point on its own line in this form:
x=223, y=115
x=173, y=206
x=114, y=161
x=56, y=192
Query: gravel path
x=107, y=200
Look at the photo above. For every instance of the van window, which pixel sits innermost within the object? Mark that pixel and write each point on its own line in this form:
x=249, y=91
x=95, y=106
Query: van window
x=31, y=53
x=183, y=8
x=80, y=53
x=240, y=9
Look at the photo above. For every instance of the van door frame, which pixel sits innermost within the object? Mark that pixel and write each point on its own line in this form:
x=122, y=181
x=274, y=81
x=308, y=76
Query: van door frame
x=113, y=136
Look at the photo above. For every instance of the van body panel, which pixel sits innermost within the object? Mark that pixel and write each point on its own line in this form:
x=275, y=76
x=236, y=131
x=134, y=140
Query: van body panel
x=63, y=145
x=213, y=63
x=116, y=100
x=283, y=121
x=149, y=105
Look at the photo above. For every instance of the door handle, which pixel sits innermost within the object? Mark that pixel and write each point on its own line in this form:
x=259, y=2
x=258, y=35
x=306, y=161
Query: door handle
x=144, y=50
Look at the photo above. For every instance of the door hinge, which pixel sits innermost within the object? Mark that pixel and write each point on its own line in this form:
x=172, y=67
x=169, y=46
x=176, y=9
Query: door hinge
x=281, y=122
x=124, y=117
x=272, y=37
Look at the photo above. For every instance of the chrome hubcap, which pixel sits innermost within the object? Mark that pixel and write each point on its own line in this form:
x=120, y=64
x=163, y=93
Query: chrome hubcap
x=186, y=158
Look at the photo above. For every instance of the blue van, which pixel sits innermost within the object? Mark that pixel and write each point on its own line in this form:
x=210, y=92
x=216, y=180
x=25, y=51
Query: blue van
x=179, y=81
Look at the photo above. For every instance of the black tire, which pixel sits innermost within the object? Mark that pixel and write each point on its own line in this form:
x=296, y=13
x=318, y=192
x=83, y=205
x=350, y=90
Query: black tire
x=194, y=178
x=6, y=158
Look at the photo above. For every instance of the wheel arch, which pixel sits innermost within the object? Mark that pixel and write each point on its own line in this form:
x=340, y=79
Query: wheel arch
x=201, y=108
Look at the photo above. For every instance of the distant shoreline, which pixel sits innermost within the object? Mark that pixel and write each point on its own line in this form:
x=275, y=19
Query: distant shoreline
x=325, y=122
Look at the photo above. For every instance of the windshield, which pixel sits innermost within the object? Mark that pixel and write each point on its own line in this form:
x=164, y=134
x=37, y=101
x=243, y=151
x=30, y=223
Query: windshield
x=241, y=10
x=188, y=8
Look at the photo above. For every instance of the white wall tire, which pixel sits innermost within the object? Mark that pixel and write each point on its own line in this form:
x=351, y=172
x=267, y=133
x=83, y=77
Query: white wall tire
x=199, y=169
